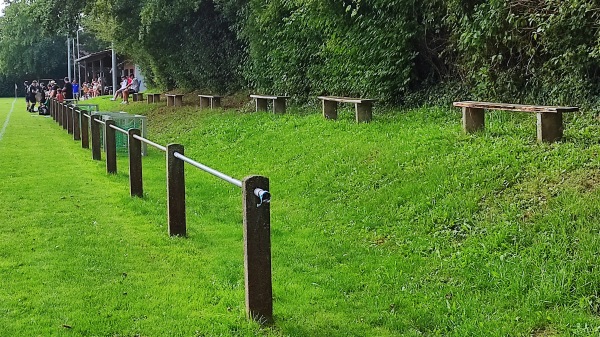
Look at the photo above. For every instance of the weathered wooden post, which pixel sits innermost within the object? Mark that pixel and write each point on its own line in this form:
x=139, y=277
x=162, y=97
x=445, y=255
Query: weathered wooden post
x=110, y=143
x=65, y=117
x=549, y=127
x=473, y=119
x=364, y=111
x=330, y=109
x=257, y=249
x=59, y=111
x=135, y=164
x=279, y=105
x=85, y=130
x=70, y=119
x=176, y=191
x=95, y=128
x=76, y=128
x=51, y=107
x=261, y=104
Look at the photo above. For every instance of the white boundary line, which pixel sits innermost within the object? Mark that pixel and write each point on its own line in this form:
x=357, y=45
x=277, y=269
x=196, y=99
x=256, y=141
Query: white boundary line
x=7, y=119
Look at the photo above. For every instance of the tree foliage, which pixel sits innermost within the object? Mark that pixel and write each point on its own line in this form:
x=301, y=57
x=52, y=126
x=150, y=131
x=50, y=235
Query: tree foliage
x=521, y=50
x=24, y=51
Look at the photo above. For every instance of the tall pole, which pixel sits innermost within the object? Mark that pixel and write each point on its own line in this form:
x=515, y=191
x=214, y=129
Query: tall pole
x=78, y=56
x=74, y=58
x=114, y=69
x=69, y=56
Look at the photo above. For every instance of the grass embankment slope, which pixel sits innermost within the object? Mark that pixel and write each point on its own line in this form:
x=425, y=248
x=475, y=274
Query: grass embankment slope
x=404, y=226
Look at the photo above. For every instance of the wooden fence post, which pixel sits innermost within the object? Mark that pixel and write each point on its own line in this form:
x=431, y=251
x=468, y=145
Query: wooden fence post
x=110, y=143
x=257, y=251
x=70, y=119
x=135, y=164
x=76, y=128
x=85, y=130
x=176, y=191
x=59, y=110
x=51, y=107
x=95, y=126
x=65, y=122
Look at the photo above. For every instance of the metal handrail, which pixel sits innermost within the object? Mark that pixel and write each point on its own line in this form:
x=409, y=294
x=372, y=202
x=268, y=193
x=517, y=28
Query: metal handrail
x=119, y=129
x=144, y=140
x=101, y=122
x=205, y=168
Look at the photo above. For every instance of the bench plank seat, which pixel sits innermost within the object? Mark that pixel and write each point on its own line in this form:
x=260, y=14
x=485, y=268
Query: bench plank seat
x=549, y=118
x=363, y=107
x=279, y=105
x=515, y=107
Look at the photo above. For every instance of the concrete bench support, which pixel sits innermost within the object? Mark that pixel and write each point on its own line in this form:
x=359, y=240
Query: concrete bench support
x=473, y=119
x=549, y=118
x=210, y=101
x=138, y=97
x=363, y=107
x=153, y=98
x=262, y=102
x=174, y=100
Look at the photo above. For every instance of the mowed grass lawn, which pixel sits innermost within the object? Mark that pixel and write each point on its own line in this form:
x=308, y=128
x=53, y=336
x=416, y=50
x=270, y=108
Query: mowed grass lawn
x=400, y=227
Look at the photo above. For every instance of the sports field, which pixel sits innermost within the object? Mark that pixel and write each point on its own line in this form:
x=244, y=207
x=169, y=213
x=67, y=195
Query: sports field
x=401, y=227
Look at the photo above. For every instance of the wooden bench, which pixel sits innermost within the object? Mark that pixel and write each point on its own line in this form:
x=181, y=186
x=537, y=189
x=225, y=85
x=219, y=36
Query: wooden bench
x=174, y=99
x=549, y=118
x=152, y=98
x=279, y=105
x=363, y=107
x=210, y=101
x=138, y=97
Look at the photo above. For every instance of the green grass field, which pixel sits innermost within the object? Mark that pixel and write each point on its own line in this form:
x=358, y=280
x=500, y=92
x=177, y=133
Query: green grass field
x=400, y=227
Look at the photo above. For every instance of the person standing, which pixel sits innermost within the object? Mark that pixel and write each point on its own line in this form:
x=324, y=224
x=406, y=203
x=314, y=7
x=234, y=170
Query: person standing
x=26, y=85
x=33, y=90
x=75, y=90
x=68, y=89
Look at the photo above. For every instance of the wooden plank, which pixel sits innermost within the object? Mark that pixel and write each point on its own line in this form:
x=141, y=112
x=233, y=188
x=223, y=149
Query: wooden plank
x=514, y=107
x=345, y=99
x=268, y=97
x=210, y=96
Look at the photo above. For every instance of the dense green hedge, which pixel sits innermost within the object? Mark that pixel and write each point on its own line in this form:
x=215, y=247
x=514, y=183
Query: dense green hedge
x=519, y=51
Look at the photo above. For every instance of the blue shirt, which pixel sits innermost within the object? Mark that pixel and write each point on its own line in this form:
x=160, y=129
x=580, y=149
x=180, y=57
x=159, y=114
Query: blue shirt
x=75, y=88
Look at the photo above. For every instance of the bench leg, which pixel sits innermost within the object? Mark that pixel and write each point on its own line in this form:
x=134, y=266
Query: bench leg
x=549, y=127
x=279, y=105
x=473, y=119
x=329, y=109
x=215, y=103
x=204, y=102
x=156, y=99
x=261, y=104
x=170, y=101
x=150, y=99
x=364, y=112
